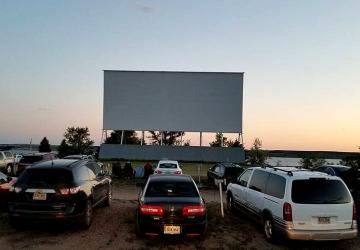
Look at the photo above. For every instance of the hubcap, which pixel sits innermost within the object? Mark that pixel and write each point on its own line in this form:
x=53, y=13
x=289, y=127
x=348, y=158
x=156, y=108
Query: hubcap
x=268, y=229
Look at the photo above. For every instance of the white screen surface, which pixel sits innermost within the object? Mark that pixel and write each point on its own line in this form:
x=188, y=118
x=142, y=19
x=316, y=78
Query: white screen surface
x=173, y=101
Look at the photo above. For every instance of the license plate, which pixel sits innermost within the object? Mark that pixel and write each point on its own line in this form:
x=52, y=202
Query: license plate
x=39, y=196
x=324, y=220
x=172, y=229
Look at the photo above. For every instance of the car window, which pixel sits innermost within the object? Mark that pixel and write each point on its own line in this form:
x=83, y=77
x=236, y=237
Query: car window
x=244, y=178
x=276, y=186
x=1, y=156
x=29, y=159
x=258, y=180
x=221, y=170
x=95, y=168
x=177, y=189
x=330, y=171
x=217, y=169
x=8, y=154
x=82, y=173
x=319, y=191
x=45, y=177
x=167, y=165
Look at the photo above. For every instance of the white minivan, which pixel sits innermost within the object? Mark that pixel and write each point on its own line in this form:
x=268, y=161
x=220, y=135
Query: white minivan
x=296, y=203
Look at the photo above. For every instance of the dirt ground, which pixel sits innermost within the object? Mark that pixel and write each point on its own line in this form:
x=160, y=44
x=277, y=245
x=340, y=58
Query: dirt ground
x=113, y=228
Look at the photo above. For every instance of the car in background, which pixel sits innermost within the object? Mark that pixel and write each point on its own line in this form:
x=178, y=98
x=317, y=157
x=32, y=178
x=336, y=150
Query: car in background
x=227, y=171
x=349, y=175
x=7, y=162
x=5, y=184
x=17, y=158
x=80, y=157
x=171, y=205
x=296, y=203
x=168, y=167
x=27, y=160
x=59, y=190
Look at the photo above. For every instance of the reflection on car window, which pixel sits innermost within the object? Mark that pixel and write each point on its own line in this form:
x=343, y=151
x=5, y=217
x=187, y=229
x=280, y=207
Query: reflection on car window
x=244, y=178
x=167, y=165
x=178, y=189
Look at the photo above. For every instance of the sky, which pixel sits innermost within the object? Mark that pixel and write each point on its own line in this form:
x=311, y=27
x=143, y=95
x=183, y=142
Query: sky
x=300, y=58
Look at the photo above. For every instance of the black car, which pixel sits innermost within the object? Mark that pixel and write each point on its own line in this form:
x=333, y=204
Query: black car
x=227, y=171
x=171, y=205
x=60, y=190
x=27, y=160
x=349, y=175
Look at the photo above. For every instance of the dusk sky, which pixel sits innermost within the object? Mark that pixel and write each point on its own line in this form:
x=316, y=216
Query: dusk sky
x=301, y=61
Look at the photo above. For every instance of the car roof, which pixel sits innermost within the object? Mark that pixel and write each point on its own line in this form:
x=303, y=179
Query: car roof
x=169, y=161
x=58, y=163
x=38, y=154
x=169, y=177
x=229, y=165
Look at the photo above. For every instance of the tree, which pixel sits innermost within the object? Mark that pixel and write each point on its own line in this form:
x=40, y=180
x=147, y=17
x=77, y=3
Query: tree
x=64, y=149
x=168, y=137
x=256, y=155
x=130, y=137
x=311, y=162
x=233, y=144
x=44, y=145
x=351, y=161
x=217, y=142
x=78, y=139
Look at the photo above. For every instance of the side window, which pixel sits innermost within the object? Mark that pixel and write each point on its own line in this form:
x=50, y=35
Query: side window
x=8, y=154
x=244, y=178
x=82, y=173
x=258, y=180
x=330, y=171
x=95, y=168
x=1, y=156
x=276, y=186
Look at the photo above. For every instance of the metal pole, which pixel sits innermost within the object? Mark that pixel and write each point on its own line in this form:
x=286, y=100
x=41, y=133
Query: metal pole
x=161, y=138
x=222, y=140
x=181, y=142
x=200, y=139
x=142, y=137
x=122, y=137
x=221, y=200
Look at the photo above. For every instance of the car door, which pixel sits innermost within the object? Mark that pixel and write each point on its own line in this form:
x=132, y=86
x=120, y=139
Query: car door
x=239, y=190
x=256, y=191
x=99, y=182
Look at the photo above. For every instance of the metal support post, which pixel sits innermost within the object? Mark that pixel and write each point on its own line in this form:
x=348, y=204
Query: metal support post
x=122, y=137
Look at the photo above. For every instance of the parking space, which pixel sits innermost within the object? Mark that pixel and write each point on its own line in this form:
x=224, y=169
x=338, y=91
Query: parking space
x=113, y=228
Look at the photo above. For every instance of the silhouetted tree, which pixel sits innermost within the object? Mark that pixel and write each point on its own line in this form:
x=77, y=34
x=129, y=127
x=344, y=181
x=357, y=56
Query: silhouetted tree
x=217, y=142
x=64, y=149
x=78, y=139
x=168, y=137
x=44, y=145
x=256, y=155
x=311, y=161
x=130, y=137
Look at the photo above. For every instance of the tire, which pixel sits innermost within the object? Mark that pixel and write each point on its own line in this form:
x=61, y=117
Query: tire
x=269, y=229
x=9, y=170
x=138, y=230
x=230, y=203
x=86, y=219
x=108, y=199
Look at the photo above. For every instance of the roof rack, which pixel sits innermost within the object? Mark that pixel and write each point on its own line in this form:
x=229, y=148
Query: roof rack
x=289, y=172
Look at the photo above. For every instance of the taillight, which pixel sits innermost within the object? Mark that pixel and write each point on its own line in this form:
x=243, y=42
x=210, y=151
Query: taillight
x=15, y=189
x=66, y=191
x=151, y=210
x=194, y=210
x=287, y=212
x=157, y=172
x=354, y=217
x=177, y=172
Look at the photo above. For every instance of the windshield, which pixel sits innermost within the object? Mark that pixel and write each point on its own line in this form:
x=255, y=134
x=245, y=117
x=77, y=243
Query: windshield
x=167, y=165
x=45, y=177
x=177, y=189
x=31, y=159
x=319, y=191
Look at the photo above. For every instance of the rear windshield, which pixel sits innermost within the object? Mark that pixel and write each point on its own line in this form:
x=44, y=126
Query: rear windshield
x=177, y=189
x=31, y=159
x=167, y=165
x=45, y=177
x=319, y=191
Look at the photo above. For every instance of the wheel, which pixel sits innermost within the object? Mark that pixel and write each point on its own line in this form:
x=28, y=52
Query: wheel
x=87, y=216
x=269, y=230
x=230, y=203
x=108, y=199
x=9, y=169
x=138, y=229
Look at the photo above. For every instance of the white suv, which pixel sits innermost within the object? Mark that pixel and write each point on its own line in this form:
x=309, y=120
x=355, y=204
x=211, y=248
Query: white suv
x=295, y=203
x=168, y=167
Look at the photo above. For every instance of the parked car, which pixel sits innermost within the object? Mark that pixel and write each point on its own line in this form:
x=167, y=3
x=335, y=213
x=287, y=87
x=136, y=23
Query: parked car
x=17, y=158
x=171, y=205
x=79, y=157
x=27, y=160
x=5, y=183
x=296, y=203
x=349, y=175
x=168, y=167
x=227, y=171
x=60, y=190
x=7, y=162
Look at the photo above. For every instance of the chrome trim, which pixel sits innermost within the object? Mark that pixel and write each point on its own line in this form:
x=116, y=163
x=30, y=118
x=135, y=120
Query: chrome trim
x=46, y=190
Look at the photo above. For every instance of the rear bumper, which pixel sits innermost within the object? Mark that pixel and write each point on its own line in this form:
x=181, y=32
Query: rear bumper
x=157, y=228
x=321, y=234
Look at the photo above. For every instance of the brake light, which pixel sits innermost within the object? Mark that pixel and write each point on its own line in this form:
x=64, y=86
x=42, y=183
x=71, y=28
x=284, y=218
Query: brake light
x=177, y=172
x=15, y=189
x=194, y=210
x=66, y=191
x=151, y=210
x=287, y=212
x=157, y=172
x=354, y=217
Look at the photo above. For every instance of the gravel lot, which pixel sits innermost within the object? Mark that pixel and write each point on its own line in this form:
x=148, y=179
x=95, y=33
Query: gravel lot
x=113, y=228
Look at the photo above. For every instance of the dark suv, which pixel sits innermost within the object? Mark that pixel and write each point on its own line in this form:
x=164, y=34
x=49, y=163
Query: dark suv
x=28, y=160
x=60, y=189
